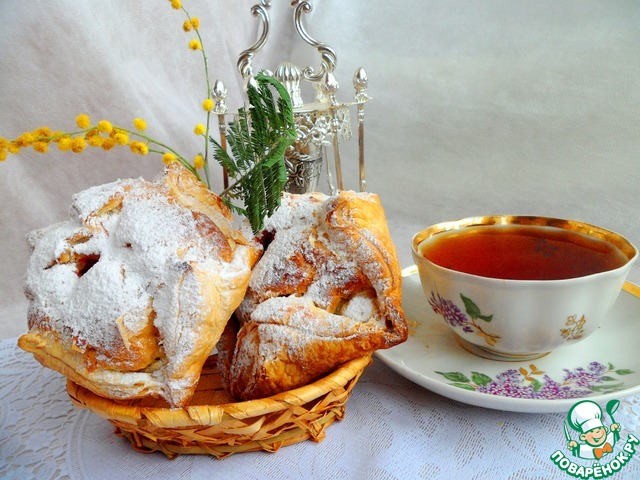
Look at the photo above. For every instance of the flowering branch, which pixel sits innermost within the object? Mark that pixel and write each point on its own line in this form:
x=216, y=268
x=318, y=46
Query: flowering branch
x=257, y=167
x=193, y=23
x=107, y=136
x=102, y=135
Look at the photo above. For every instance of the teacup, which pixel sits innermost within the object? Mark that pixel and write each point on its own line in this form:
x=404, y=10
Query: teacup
x=518, y=287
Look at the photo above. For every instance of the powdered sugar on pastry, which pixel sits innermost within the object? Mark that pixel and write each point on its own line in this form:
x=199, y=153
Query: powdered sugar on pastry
x=326, y=290
x=135, y=289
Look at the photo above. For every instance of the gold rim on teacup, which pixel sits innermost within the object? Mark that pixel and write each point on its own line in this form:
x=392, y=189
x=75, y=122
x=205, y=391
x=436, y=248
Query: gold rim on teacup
x=571, y=225
x=497, y=339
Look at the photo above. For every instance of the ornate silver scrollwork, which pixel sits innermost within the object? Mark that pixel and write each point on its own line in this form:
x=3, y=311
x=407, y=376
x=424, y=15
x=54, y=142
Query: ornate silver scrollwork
x=303, y=171
x=327, y=54
x=322, y=124
x=315, y=130
x=246, y=57
x=315, y=126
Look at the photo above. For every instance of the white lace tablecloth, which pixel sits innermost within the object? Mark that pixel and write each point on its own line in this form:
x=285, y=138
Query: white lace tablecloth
x=393, y=429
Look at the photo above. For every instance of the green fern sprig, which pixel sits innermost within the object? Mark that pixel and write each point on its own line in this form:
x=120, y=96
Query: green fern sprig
x=258, y=139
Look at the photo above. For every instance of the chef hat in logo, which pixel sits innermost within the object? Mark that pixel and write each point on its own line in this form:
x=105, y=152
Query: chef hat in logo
x=585, y=416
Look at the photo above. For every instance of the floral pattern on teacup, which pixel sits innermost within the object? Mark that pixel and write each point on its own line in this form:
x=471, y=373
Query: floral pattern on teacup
x=533, y=383
x=574, y=328
x=456, y=318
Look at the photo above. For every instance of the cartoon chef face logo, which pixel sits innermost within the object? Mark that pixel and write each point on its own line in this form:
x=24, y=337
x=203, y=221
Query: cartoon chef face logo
x=596, y=440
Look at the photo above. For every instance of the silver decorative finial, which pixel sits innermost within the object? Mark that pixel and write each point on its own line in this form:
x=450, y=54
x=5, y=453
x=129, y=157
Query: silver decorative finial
x=289, y=75
x=360, y=83
x=219, y=96
x=330, y=87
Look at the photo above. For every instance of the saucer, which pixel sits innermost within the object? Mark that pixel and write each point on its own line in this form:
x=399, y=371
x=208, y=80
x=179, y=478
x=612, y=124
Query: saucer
x=604, y=366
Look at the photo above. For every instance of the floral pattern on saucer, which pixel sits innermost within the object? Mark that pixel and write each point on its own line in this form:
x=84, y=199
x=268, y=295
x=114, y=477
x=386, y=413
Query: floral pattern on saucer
x=456, y=318
x=533, y=383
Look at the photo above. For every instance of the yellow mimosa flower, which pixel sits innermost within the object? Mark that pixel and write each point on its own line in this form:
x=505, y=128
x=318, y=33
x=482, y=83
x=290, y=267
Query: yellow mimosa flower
x=207, y=105
x=83, y=121
x=42, y=132
x=198, y=161
x=25, y=139
x=41, y=147
x=108, y=143
x=139, y=148
x=121, y=138
x=168, y=158
x=105, y=126
x=78, y=144
x=95, y=141
x=140, y=124
x=199, y=129
x=64, y=144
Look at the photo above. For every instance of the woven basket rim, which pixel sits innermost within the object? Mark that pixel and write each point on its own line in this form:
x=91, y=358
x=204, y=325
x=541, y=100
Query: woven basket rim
x=210, y=415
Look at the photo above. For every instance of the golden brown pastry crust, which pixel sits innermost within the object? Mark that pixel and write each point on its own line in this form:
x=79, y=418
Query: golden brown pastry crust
x=326, y=290
x=129, y=297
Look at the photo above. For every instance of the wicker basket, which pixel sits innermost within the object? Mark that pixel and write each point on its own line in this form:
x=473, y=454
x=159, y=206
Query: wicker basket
x=215, y=425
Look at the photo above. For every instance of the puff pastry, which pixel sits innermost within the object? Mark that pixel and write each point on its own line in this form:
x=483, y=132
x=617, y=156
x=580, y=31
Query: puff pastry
x=326, y=290
x=130, y=295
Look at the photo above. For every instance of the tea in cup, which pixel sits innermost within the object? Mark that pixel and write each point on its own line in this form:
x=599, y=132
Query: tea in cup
x=518, y=287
